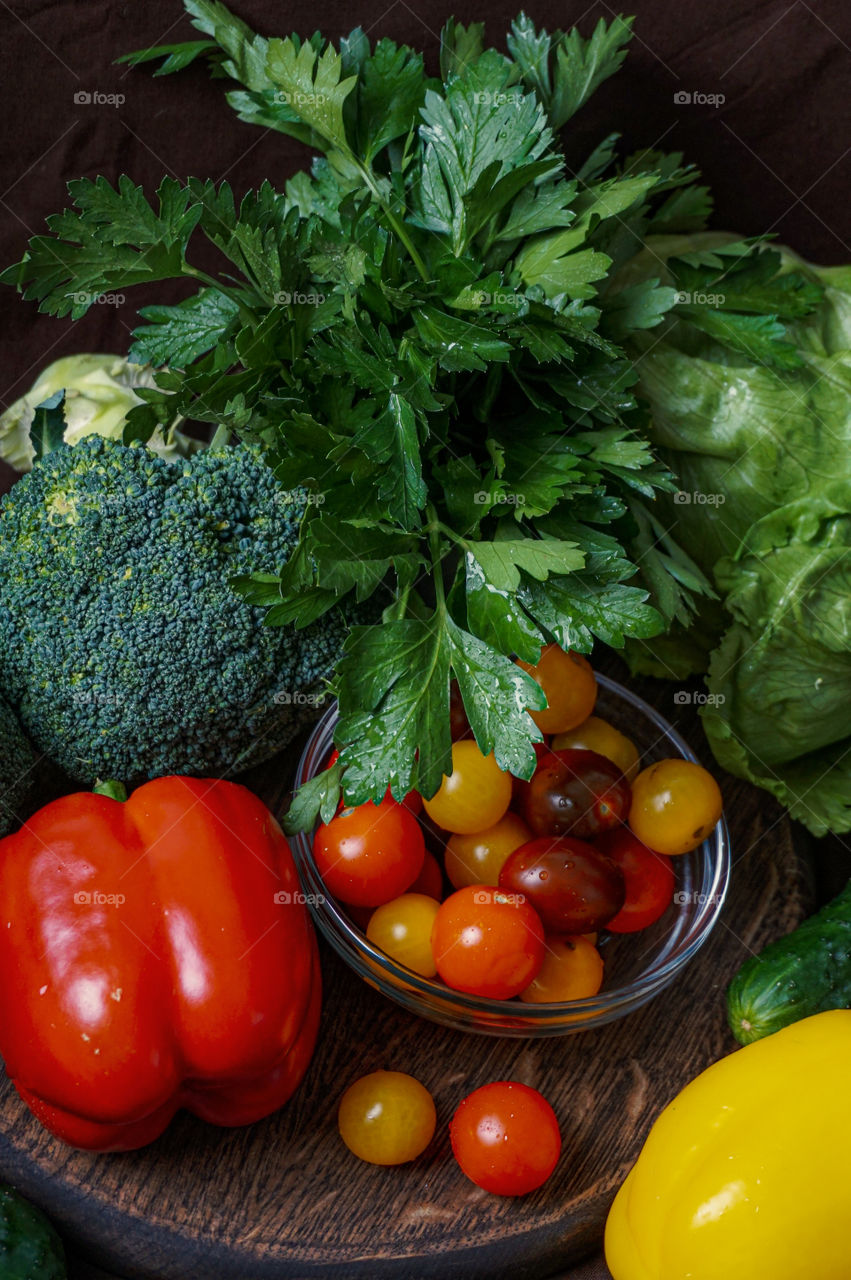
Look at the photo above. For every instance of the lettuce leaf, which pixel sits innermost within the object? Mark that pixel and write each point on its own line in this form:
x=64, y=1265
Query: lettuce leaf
x=763, y=460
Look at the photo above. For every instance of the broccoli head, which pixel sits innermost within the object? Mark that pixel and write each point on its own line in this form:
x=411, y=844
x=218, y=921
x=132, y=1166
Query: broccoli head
x=17, y=762
x=124, y=650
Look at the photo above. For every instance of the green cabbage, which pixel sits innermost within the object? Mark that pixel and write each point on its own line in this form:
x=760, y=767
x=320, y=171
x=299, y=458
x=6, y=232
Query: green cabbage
x=763, y=460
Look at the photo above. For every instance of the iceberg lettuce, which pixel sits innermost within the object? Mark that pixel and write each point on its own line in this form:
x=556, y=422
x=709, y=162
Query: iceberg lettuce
x=763, y=460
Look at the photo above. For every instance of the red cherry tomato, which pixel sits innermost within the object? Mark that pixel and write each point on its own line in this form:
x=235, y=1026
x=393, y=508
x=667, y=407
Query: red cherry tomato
x=505, y=1137
x=649, y=881
x=487, y=943
x=573, y=887
x=370, y=854
x=430, y=879
x=577, y=793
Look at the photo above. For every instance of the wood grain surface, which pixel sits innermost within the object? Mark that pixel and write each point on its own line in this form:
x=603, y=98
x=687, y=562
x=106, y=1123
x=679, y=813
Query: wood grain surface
x=284, y=1199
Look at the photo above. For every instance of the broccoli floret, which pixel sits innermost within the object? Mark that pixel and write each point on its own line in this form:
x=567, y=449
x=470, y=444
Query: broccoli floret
x=123, y=648
x=17, y=763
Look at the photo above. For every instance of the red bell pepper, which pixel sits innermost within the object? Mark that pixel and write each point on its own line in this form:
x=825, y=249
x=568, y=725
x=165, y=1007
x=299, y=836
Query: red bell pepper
x=154, y=954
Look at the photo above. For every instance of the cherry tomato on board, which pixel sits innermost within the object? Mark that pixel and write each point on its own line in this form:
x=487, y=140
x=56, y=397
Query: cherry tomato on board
x=402, y=929
x=487, y=943
x=577, y=793
x=475, y=794
x=478, y=858
x=598, y=735
x=649, y=879
x=572, y=970
x=505, y=1137
x=369, y=854
x=387, y=1117
x=568, y=681
x=573, y=887
x=675, y=805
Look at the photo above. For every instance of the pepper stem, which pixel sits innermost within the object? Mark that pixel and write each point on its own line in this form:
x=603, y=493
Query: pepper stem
x=115, y=790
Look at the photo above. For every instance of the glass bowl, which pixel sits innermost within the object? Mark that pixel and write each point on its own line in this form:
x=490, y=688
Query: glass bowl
x=638, y=965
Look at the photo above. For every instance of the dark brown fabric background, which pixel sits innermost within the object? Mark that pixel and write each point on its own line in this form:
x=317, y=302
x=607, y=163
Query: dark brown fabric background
x=777, y=153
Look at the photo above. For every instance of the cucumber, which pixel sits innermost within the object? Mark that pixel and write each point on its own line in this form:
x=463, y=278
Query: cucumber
x=804, y=973
x=29, y=1247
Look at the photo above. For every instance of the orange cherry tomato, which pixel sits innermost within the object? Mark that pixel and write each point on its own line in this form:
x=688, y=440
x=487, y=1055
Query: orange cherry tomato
x=505, y=1137
x=402, y=929
x=598, y=735
x=487, y=942
x=474, y=796
x=387, y=1118
x=675, y=805
x=478, y=858
x=369, y=854
x=572, y=970
x=568, y=681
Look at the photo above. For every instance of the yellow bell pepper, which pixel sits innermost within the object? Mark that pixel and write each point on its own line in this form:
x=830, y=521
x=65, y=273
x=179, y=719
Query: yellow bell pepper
x=747, y=1174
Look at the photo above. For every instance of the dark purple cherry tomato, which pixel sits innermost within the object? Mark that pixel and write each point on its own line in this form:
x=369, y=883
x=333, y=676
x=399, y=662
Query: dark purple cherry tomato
x=459, y=725
x=573, y=887
x=577, y=793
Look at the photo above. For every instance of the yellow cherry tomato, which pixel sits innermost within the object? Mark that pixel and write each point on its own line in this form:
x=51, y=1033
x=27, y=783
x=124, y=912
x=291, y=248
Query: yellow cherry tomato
x=478, y=858
x=402, y=929
x=474, y=796
x=675, y=805
x=568, y=681
x=572, y=970
x=598, y=735
x=387, y=1117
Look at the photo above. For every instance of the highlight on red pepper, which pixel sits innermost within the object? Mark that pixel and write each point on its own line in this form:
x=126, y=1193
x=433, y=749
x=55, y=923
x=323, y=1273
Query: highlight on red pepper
x=156, y=954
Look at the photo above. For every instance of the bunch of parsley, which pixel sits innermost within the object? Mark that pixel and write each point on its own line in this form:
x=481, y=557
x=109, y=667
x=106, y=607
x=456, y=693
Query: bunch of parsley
x=427, y=331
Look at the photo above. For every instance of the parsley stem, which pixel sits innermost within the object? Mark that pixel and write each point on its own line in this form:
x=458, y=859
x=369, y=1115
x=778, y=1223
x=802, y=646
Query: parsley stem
x=398, y=227
x=245, y=312
x=434, y=527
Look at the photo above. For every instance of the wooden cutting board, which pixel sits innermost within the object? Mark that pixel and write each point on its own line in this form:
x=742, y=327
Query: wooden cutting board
x=284, y=1199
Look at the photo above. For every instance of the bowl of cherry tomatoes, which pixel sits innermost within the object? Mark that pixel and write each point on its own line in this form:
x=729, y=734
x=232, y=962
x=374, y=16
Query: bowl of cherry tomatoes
x=540, y=908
